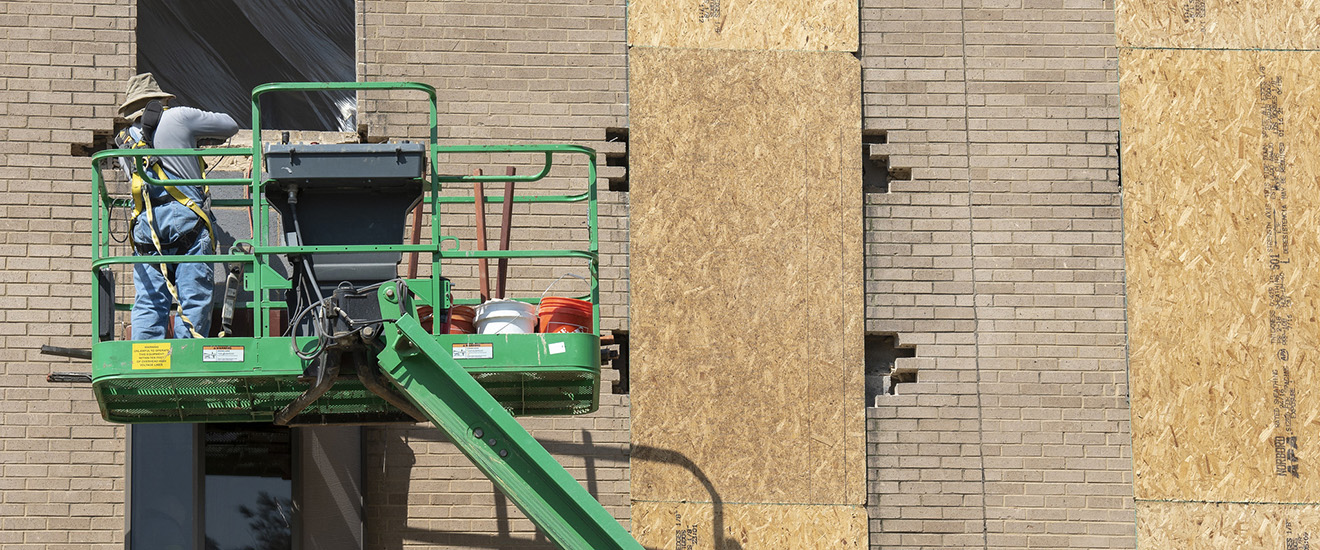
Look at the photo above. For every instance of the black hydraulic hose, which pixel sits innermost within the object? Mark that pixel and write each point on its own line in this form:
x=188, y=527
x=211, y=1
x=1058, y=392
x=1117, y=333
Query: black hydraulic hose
x=297, y=230
x=309, y=279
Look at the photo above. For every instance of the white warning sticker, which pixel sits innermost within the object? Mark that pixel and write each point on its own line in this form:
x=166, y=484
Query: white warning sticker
x=474, y=351
x=222, y=354
x=557, y=348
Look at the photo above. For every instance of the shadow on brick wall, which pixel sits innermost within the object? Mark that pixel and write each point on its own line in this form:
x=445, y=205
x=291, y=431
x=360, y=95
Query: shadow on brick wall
x=394, y=532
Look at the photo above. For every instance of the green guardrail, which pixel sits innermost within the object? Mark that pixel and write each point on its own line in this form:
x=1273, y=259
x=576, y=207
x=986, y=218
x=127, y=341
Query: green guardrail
x=260, y=254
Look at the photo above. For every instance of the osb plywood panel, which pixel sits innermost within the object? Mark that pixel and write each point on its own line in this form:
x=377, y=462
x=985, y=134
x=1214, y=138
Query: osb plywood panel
x=706, y=526
x=746, y=276
x=1240, y=24
x=745, y=24
x=1188, y=525
x=1220, y=219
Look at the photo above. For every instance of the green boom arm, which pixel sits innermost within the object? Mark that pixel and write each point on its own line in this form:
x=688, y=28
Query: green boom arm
x=523, y=470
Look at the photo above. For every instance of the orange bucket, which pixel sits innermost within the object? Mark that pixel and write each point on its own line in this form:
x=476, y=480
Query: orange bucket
x=564, y=315
x=460, y=320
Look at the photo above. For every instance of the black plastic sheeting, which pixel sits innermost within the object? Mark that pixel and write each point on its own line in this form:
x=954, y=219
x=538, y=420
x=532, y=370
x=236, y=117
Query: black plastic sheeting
x=211, y=53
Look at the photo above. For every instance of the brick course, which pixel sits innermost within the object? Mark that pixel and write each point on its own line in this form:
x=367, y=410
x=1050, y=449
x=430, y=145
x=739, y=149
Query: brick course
x=1000, y=262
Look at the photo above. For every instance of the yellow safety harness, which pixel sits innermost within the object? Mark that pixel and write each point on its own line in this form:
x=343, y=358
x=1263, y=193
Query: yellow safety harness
x=142, y=205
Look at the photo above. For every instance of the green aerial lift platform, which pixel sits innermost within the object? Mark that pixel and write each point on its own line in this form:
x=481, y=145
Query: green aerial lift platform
x=355, y=350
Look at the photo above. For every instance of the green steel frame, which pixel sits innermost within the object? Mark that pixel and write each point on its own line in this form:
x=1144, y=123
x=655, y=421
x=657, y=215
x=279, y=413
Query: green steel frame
x=471, y=399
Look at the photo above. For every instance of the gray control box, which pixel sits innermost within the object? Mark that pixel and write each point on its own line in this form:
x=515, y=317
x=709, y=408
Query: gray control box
x=364, y=162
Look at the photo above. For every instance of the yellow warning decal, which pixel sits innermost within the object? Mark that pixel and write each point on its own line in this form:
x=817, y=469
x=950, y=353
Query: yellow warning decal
x=154, y=356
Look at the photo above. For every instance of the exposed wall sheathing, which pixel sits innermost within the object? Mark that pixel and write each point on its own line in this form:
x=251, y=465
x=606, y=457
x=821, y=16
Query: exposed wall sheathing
x=1221, y=201
x=1194, y=525
x=1223, y=252
x=1232, y=24
x=745, y=24
x=746, y=277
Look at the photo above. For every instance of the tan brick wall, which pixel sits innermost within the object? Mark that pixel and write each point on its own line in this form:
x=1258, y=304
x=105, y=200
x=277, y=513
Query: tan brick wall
x=61, y=467
x=1000, y=262
x=548, y=72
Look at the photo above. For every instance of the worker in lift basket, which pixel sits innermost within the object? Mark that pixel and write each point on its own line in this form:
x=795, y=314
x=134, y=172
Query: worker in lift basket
x=169, y=220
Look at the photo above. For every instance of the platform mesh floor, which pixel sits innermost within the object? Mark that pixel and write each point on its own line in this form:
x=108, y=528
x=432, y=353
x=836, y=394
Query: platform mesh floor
x=256, y=398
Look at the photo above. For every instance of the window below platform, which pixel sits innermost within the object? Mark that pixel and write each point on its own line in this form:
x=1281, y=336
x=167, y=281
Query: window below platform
x=244, y=487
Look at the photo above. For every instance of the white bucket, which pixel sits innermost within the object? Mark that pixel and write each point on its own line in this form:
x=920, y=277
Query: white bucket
x=505, y=317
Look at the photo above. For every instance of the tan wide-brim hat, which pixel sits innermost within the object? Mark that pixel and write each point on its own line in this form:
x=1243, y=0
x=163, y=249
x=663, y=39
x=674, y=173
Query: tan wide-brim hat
x=141, y=89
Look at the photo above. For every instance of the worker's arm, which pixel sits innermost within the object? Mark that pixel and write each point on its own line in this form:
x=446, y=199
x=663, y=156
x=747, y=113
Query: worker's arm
x=197, y=124
x=181, y=127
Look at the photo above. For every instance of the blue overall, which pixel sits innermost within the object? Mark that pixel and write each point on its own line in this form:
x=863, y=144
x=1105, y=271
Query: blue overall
x=180, y=233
